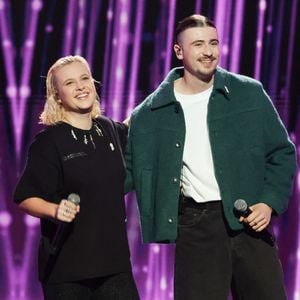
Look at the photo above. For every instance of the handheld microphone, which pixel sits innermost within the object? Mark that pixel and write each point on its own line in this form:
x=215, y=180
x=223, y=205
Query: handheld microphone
x=242, y=208
x=74, y=198
x=62, y=227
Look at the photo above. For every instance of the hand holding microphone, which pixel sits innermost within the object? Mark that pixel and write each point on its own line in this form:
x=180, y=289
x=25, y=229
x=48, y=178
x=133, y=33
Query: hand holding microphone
x=66, y=212
x=68, y=208
x=258, y=216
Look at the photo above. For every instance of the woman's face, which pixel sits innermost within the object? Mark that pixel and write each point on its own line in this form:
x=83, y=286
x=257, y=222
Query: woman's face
x=75, y=87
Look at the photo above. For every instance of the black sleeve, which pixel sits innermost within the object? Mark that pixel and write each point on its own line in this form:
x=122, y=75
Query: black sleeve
x=42, y=176
x=122, y=131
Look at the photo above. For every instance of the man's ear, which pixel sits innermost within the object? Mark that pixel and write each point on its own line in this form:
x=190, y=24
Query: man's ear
x=178, y=51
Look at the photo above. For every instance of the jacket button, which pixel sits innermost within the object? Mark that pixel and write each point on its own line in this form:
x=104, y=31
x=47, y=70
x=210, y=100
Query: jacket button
x=177, y=145
x=170, y=220
x=175, y=180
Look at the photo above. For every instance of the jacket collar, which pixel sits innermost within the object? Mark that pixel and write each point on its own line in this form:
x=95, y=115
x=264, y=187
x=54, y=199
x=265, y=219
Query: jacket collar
x=221, y=82
x=164, y=94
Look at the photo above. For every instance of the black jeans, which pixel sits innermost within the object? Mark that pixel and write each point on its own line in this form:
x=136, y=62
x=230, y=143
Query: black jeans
x=115, y=287
x=210, y=259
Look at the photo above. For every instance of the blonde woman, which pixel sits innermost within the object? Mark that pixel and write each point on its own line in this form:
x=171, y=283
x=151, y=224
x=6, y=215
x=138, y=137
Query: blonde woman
x=73, y=181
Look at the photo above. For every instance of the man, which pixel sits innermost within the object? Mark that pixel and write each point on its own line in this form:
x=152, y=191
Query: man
x=205, y=138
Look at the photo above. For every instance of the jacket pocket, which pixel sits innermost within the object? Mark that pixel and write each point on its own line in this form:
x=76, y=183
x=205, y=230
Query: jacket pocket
x=146, y=202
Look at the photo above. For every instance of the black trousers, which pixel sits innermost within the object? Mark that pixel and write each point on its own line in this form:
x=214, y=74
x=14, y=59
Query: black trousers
x=115, y=287
x=211, y=259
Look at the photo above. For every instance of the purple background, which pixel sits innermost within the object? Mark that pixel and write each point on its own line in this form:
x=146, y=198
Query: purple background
x=128, y=44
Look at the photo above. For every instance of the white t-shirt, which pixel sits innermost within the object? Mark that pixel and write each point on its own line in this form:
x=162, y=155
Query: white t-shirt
x=198, y=179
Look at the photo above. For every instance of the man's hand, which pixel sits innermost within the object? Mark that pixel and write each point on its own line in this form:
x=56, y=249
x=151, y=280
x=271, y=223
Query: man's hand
x=260, y=217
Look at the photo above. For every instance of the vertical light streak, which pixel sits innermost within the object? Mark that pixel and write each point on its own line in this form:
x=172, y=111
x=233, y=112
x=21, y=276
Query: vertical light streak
x=119, y=57
x=162, y=50
x=276, y=49
x=157, y=273
x=135, y=56
x=220, y=15
x=5, y=222
x=290, y=61
x=8, y=58
x=226, y=44
x=152, y=264
x=94, y=22
x=259, y=40
x=237, y=36
x=28, y=254
x=24, y=89
x=80, y=27
x=106, y=67
x=169, y=41
x=11, y=92
x=133, y=232
x=32, y=14
x=163, y=274
x=297, y=279
x=198, y=5
x=156, y=75
x=71, y=10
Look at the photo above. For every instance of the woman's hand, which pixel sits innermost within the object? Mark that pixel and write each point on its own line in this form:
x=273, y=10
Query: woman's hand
x=66, y=211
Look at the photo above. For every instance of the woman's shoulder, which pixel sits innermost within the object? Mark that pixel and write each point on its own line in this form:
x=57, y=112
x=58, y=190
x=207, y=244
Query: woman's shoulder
x=49, y=135
x=111, y=123
x=117, y=128
x=105, y=120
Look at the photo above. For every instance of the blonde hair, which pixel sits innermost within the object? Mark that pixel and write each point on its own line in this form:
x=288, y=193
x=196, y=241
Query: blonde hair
x=54, y=111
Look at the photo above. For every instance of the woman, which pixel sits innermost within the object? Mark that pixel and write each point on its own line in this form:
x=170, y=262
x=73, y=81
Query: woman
x=83, y=253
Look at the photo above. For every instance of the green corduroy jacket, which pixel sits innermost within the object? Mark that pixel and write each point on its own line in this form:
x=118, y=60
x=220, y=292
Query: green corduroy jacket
x=252, y=154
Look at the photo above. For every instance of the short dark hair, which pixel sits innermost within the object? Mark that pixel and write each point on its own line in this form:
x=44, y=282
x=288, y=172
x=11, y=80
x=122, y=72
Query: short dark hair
x=192, y=21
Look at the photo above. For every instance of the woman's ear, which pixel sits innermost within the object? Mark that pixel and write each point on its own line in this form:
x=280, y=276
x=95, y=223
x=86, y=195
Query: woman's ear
x=56, y=97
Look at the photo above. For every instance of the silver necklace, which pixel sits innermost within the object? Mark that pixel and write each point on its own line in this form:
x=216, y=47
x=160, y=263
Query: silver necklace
x=88, y=136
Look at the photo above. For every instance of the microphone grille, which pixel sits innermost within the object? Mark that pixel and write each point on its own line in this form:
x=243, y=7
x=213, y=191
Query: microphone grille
x=74, y=198
x=240, y=205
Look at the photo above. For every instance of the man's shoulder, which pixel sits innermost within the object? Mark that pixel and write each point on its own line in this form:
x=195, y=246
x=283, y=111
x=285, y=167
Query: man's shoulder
x=238, y=79
x=161, y=93
x=144, y=106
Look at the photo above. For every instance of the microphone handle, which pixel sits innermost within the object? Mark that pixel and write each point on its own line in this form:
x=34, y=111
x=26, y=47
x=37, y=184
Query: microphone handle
x=57, y=239
x=61, y=230
x=265, y=234
x=246, y=212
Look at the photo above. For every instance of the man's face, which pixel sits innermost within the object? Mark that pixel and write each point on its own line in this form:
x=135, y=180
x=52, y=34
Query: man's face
x=198, y=48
